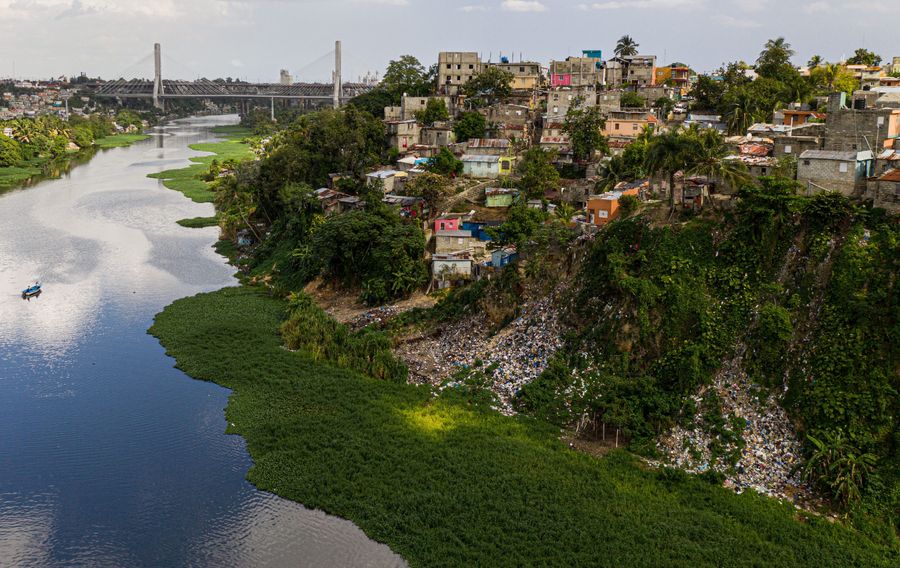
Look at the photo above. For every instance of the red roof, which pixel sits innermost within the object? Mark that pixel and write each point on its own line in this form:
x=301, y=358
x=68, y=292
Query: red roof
x=890, y=175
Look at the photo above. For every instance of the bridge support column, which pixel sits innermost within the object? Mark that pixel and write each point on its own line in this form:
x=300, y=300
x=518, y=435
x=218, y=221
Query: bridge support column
x=157, y=76
x=273, y=110
x=337, y=75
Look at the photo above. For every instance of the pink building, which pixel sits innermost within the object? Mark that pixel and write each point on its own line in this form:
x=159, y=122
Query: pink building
x=446, y=223
x=561, y=80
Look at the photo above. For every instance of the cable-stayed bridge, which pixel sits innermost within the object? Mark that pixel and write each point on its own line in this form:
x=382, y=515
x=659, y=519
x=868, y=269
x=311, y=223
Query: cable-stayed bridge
x=160, y=89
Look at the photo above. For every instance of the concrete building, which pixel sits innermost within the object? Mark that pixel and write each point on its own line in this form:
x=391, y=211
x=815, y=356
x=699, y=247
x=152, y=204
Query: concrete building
x=604, y=208
x=499, y=197
x=455, y=69
x=409, y=106
x=526, y=74
x=452, y=241
x=864, y=124
x=583, y=71
x=609, y=101
x=828, y=170
x=560, y=100
x=636, y=70
x=450, y=268
x=403, y=134
x=628, y=124
x=391, y=180
x=286, y=78
x=439, y=135
x=488, y=147
x=679, y=77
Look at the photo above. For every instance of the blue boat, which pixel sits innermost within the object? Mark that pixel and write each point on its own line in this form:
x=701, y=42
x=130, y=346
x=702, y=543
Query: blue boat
x=33, y=290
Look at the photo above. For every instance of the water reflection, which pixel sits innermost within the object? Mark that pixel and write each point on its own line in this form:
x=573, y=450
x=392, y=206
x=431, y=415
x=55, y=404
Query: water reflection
x=108, y=455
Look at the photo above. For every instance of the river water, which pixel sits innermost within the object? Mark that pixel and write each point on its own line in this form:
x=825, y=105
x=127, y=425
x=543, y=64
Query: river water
x=109, y=456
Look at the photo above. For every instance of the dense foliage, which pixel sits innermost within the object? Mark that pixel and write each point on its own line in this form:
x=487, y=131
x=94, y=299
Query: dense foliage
x=444, y=482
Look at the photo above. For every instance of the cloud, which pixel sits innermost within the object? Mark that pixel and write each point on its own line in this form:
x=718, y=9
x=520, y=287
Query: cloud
x=660, y=4
x=523, y=6
x=473, y=8
x=732, y=22
x=818, y=8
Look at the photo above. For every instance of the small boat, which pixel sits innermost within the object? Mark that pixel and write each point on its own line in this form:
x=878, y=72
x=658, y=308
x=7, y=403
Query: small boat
x=31, y=291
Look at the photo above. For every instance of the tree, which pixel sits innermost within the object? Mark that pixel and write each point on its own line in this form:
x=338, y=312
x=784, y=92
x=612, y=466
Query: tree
x=815, y=61
x=839, y=466
x=630, y=99
x=667, y=154
x=490, y=85
x=626, y=46
x=775, y=59
x=433, y=188
x=863, y=56
x=665, y=106
x=707, y=93
x=707, y=157
x=834, y=77
x=538, y=174
x=10, y=154
x=585, y=129
x=522, y=222
x=375, y=101
x=406, y=76
x=470, y=125
x=628, y=204
x=435, y=111
x=445, y=164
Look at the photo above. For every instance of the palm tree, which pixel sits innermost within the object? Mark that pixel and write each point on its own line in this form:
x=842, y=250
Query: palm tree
x=708, y=157
x=830, y=74
x=778, y=46
x=815, y=61
x=837, y=464
x=626, y=46
x=743, y=111
x=668, y=154
x=611, y=173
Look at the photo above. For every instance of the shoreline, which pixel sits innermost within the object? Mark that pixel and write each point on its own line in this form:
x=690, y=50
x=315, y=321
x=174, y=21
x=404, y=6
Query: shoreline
x=18, y=177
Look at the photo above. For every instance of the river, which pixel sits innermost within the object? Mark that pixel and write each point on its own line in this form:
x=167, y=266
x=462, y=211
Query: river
x=109, y=456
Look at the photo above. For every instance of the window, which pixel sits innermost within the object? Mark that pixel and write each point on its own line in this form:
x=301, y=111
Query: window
x=805, y=162
x=787, y=149
x=762, y=171
x=617, y=126
x=459, y=241
x=634, y=126
x=521, y=69
x=471, y=67
x=458, y=78
x=854, y=146
x=449, y=66
x=458, y=66
x=843, y=167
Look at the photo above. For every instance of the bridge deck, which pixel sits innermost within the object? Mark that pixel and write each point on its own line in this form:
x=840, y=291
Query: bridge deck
x=137, y=88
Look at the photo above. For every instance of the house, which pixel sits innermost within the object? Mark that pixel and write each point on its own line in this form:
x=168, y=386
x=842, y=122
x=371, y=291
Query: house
x=887, y=160
x=455, y=69
x=447, y=223
x=487, y=166
x=864, y=124
x=553, y=135
x=884, y=191
x=511, y=121
x=438, y=136
x=409, y=207
x=392, y=113
x=499, y=197
x=391, y=180
x=636, y=70
x=411, y=162
x=503, y=257
x=450, y=268
x=402, y=134
x=713, y=121
x=488, y=147
x=605, y=208
x=577, y=71
x=628, y=124
x=695, y=191
x=526, y=74
x=409, y=106
x=678, y=76
x=452, y=240
x=479, y=228
x=560, y=100
x=800, y=117
x=330, y=200
x=829, y=170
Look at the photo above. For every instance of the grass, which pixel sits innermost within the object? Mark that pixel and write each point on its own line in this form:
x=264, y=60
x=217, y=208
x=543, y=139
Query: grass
x=444, y=483
x=199, y=222
x=119, y=140
x=12, y=176
x=187, y=179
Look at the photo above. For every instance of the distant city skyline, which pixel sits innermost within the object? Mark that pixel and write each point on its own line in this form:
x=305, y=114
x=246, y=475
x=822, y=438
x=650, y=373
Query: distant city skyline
x=254, y=39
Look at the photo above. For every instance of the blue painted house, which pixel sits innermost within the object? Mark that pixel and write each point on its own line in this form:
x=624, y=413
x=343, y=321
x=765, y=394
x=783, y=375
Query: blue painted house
x=503, y=257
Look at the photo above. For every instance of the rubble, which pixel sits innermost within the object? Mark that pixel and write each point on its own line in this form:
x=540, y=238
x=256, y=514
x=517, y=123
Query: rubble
x=518, y=353
x=770, y=460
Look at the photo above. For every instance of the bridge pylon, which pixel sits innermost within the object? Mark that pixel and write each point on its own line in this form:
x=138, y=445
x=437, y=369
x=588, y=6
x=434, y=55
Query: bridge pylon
x=157, y=76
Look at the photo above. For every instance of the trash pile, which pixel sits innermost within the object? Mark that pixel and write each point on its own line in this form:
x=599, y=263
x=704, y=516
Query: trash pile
x=374, y=316
x=519, y=352
x=769, y=462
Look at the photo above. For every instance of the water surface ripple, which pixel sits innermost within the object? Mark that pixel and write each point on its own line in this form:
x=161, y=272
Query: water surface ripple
x=109, y=456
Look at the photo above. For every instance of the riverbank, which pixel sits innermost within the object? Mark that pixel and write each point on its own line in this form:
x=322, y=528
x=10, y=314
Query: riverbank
x=188, y=180
x=12, y=177
x=446, y=482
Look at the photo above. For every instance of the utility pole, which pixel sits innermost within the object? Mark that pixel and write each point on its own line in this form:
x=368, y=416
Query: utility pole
x=336, y=76
x=157, y=76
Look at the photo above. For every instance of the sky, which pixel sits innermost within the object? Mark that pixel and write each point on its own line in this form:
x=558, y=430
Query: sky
x=254, y=39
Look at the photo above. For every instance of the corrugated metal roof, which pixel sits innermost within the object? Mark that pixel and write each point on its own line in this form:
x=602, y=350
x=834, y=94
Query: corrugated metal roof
x=489, y=143
x=481, y=159
x=462, y=234
x=851, y=156
x=890, y=175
